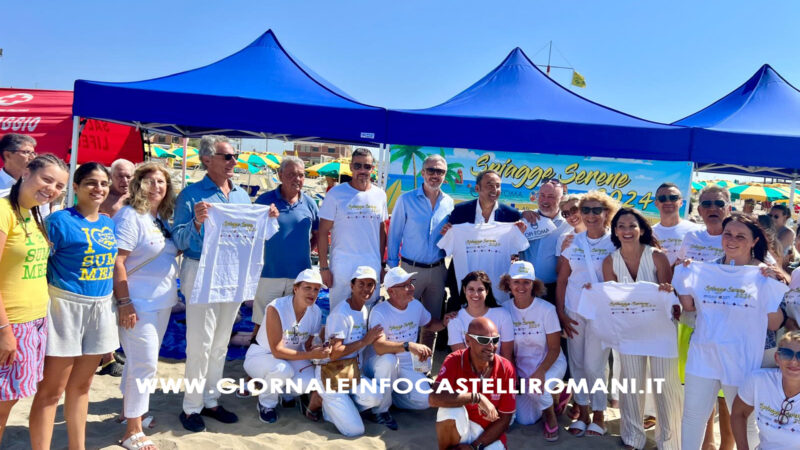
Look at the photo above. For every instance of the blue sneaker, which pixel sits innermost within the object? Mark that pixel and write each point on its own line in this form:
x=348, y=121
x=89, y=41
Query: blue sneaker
x=267, y=415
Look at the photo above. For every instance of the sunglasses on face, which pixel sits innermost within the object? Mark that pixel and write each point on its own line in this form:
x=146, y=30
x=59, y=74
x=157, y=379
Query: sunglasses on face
x=787, y=354
x=568, y=212
x=596, y=210
x=228, y=156
x=665, y=198
x=710, y=203
x=359, y=166
x=432, y=171
x=485, y=340
x=783, y=415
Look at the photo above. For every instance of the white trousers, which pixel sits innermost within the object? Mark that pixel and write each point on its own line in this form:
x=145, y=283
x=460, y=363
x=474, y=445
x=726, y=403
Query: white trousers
x=259, y=363
x=342, y=269
x=700, y=397
x=669, y=403
x=467, y=429
x=141, y=345
x=208, y=332
x=343, y=410
x=531, y=405
x=588, y=362
x=389, y=366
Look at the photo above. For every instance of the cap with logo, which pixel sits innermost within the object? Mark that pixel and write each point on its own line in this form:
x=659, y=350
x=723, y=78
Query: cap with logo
x=522, y=270
x=395, y=276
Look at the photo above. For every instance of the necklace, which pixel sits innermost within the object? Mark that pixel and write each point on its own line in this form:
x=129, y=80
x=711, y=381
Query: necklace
x=482, y=374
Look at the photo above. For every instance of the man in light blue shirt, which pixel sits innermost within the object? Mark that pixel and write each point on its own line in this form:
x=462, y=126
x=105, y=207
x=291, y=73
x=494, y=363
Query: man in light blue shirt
x=542, y=251
x=208, y=326
x=415, y=228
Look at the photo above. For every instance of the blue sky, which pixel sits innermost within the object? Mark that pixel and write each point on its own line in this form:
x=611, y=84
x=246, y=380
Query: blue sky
x=656, y=60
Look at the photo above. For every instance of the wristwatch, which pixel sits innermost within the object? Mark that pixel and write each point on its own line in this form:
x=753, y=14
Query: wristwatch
x=405, y=346
x=477, y=446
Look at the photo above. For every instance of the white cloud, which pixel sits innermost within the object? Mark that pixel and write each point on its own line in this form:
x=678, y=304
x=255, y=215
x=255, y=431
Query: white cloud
x=644, y=177
x=469, y=154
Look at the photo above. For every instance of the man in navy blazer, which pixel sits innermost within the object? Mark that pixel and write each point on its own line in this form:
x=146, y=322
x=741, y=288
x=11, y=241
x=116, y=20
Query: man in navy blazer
x=487, y=185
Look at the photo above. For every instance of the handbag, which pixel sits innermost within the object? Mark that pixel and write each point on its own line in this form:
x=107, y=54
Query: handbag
x=341, y=369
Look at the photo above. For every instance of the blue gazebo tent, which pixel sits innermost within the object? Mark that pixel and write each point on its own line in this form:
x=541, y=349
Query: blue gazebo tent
x=754, y=130
x=518, y=108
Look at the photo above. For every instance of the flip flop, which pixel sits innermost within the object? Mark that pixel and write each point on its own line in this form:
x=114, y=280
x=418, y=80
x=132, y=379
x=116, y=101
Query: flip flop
x=577, y=425
x=563, y=401
x=595, y=428
x=550, y=434
x=649, y=422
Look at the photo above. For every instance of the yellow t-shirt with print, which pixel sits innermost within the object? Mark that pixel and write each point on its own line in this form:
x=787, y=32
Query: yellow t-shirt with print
x=23, y=266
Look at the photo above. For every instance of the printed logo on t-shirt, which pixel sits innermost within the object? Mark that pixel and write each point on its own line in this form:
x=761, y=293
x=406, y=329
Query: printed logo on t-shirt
x=527, y=328
x=368, y=211
x=402, y=332
x=699, y=252
x=98, y=266
x=768, y=417
x=597, y=254
x=631, y=307
x=792, y=301
x=35, y=265
x=238, y=230
x=486, y=245
x=294, y=336
x=728, y=296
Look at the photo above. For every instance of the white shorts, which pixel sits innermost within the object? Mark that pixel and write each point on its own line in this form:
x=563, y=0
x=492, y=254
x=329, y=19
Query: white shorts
x=79, y=325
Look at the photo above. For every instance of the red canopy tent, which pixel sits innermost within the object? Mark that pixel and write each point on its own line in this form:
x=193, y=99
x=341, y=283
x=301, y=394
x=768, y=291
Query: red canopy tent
x=47, y=117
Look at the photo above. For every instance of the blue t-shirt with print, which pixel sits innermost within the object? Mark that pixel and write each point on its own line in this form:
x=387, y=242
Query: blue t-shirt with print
x=82, y=259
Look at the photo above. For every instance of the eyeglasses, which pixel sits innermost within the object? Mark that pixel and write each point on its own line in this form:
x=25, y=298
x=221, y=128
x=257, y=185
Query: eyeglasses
x=783, y=415
x=710, y=203
x=485, y=340
x=163, y=228
x=228, y=156
x=25, y=153
x=432, y=171
x=359, y=166
x=596, y=210
x=408, y=285
x=672, y=198
x=566, y=213
x=787, y=354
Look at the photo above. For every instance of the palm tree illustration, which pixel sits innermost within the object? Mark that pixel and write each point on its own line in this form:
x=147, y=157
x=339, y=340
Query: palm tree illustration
x=409, y=153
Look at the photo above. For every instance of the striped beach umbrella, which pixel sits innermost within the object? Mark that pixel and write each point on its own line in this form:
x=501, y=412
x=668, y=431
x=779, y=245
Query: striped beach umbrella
x=698, y=185
x=159, y=152
x=334, y=169
x=255, y=162
x=758, y=193
x=726, y=184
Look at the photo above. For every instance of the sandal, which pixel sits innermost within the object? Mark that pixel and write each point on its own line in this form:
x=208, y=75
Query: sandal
x=314, y=416
x=550, y=434
x=649, y=422
x=136, y=441
x=595, y=430
x=578, y=425
x=563, y=401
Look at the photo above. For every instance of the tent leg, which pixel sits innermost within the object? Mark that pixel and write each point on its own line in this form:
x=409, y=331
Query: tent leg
x=791, y=194
x=73, y=157
x=183, y=162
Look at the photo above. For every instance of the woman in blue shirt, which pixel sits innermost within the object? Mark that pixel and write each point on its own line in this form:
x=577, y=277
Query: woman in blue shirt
x=81, y=321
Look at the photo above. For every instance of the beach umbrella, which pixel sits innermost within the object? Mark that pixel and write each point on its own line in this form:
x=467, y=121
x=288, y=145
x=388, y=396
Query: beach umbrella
x=334, y=169
x=758, y=193
x=161, y=152
x=698, y=185
x=726, y=184
x=255, y=162
x=178, y=151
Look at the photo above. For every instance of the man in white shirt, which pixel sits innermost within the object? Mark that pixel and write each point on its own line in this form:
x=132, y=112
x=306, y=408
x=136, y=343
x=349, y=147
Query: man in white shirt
x=671, y=229
x=401, y=317
x=16, y=151
x=121, y=176
x=354, y=214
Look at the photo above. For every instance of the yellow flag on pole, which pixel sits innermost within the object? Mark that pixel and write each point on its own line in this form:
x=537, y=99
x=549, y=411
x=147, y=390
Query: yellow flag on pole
x=578, y=80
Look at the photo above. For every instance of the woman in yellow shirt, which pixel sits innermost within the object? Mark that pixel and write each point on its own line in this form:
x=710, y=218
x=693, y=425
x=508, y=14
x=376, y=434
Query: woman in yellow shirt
x=24, y=249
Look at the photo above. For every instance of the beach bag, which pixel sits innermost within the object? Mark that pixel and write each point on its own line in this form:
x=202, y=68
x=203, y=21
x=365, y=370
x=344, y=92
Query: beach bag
x=342, y=369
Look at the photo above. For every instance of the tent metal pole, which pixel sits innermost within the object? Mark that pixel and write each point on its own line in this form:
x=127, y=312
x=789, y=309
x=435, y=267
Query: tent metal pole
x=791, y=193
x=183, y=162
x=73, y=157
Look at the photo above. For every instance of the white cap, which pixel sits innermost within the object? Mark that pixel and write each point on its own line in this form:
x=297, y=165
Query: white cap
x=364, y=273
x=522, y=270
x=395, y=276
x=309, y=276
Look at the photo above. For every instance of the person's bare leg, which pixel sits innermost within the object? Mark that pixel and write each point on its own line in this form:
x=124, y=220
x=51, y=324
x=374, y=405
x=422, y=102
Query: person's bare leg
x=447, y=434
x=709, y=441
x=5, y=411
x=315, y=403
x=45, y=402
x=599, y=418
x=727, y=441
x=135, y=426
x=584, y=417
x=76, y=401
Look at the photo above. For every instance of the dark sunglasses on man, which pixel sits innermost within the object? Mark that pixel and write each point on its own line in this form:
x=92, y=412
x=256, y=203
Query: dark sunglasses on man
x=485, y=340
x=228, y=156
x=710, y=203
x=668, y=198
x=568, y=212
x=359, y=166
x=596, y=210
x=434, y=171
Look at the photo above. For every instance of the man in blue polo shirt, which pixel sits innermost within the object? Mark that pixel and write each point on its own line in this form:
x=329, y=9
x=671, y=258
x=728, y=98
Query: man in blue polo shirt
x=208, y=326
x=288, y=252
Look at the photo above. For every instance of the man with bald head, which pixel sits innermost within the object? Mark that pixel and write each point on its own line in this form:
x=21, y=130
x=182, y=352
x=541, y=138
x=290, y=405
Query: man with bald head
x=477, y=419
x=121, y=176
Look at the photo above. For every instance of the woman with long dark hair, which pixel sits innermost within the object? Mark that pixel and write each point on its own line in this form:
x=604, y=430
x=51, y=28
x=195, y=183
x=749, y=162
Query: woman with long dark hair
x=23, y=283
x=81, y=325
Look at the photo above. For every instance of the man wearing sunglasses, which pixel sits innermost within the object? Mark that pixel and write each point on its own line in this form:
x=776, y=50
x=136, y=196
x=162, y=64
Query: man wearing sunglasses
x=671, y=229
x=353, y=213
x=773, y=395
x=714, y=206
x=208, y=326
x=476, y=419
x=417, y=219
x=780, y=215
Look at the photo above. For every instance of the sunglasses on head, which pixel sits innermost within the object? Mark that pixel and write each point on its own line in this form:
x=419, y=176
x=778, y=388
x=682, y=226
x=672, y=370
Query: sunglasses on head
x=568, y=212
x=787, y=354
x=485, y=340
x=783, y=415
x=596, y=210
x=228, y=156
x=672, y=198
x=710, y=203
x=433, y=171
x=359, y=166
